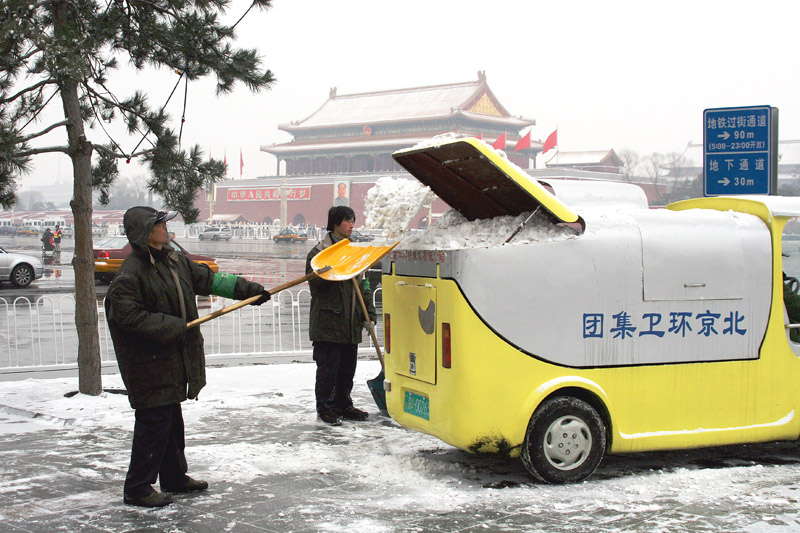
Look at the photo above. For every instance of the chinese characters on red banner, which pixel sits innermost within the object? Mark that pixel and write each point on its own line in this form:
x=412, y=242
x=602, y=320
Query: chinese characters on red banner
x=268, y=193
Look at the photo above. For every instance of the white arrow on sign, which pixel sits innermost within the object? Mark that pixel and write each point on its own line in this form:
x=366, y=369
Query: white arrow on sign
x=724, y=135
x=724, y=181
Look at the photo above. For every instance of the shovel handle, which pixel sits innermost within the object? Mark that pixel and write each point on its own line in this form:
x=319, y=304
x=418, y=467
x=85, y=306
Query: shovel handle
x=248, y=301
x=368, y=321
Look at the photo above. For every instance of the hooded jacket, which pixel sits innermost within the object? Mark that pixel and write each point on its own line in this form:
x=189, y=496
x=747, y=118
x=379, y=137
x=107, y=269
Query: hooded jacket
x=336, y=314
x=158, y=356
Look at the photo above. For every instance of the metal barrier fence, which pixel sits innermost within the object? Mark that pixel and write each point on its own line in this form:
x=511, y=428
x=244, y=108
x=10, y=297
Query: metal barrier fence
x=41, y=334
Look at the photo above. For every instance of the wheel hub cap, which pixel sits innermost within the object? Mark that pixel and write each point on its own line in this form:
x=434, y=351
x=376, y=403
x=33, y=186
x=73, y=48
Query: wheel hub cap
x=567, y=443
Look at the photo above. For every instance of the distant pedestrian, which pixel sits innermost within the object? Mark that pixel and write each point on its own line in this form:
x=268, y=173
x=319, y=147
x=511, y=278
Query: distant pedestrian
x=335, y=326
x=47, y=240
x=161, y=361
x=57, y=234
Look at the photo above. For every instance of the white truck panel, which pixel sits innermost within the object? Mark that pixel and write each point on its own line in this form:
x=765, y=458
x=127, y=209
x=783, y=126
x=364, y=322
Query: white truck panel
x=581, y=302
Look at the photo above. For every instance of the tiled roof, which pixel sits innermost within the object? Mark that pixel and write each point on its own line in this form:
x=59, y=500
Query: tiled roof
x=345, y=144
x=472, y=99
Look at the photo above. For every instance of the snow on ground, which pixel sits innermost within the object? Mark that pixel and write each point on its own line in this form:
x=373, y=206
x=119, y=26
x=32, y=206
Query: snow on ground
x=253, y=435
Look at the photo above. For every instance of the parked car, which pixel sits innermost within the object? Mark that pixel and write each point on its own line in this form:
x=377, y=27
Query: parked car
x=30, y=231
x=290, y=235
x=19, y=269
x=98, y=231
x=109, y=253
x=215, y=233
x=68, y=231
x=357, y=236
x=8, y=230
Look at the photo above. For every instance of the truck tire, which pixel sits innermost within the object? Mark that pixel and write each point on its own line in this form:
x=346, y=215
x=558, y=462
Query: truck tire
x=565, y=441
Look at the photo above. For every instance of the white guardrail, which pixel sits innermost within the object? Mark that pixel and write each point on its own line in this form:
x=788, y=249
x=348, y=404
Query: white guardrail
x=40, y=334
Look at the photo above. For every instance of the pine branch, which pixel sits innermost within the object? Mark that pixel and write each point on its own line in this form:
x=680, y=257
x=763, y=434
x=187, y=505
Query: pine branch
x=34, y=87
x=105, y=150
x=48, y=129
x=43, y=150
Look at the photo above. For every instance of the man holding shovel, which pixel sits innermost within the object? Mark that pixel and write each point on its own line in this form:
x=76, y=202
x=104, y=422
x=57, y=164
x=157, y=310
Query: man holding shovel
x=161, y=361
x=335, y=325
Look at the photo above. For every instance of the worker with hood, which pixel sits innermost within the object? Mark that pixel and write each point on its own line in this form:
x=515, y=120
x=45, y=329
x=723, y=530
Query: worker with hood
x=162, y=363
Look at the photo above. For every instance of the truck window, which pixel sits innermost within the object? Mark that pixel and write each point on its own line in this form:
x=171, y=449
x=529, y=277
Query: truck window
x=791, y=274
x=791, y=248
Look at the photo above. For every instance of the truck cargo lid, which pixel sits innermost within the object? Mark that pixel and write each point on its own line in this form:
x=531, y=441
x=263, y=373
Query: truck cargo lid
x=478, y=182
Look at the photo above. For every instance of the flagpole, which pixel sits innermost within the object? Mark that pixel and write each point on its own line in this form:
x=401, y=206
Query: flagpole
x=558, y=151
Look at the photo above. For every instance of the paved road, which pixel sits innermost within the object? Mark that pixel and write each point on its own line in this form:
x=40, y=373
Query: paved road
x=264, y=261
x=273, y=467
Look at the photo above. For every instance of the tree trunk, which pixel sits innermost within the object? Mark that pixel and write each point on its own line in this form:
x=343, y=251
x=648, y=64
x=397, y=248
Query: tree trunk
x=80, y=151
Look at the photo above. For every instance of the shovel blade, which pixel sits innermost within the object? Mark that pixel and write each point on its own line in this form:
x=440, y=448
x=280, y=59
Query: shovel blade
x=348, y=260
x=375, y=386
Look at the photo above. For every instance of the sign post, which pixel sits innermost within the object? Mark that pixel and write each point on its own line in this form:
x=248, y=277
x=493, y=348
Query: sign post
x=740, y=153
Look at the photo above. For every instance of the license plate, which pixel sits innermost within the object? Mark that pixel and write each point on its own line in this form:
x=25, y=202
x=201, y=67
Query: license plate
x=417, y=405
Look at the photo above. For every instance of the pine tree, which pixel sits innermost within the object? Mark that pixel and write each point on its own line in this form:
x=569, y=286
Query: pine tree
x=66, y=50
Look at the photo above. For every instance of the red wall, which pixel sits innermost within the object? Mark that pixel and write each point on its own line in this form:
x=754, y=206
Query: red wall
x=314, y=210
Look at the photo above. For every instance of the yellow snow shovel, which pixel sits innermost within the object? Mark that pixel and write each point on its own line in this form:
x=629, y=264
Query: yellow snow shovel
x=248, y=301
x=347, y=262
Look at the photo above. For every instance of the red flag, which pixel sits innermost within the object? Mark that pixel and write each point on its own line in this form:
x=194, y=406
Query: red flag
x=500, y=143
x=480, y=137
x=551, y=141
x=225, y=160
x=241, y=163
x=523, y=143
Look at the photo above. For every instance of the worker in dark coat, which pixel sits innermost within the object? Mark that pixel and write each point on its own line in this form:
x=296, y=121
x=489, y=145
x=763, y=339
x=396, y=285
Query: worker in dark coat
x=335, y=325
x=161, y=361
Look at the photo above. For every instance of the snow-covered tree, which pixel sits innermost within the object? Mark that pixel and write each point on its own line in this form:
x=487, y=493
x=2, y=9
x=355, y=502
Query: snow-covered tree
x=66, y=50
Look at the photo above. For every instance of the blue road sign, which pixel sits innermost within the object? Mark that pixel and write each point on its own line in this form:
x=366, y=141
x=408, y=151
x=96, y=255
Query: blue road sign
x=738, y=150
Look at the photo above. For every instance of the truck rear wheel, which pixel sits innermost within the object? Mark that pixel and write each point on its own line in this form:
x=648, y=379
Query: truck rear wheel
x=565, y=441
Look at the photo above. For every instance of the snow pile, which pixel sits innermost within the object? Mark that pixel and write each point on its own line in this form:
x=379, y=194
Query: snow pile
x=392, y=203
x=452, y=231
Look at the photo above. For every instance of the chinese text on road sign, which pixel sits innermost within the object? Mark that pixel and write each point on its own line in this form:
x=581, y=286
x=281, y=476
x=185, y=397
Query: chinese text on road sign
x=738, y=151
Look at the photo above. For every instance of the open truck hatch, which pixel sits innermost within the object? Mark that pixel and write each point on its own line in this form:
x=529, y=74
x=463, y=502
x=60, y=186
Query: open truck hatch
x=479, y=183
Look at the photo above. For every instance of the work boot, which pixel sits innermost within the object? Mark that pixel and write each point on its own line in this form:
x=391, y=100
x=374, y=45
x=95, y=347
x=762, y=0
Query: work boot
x=188, y=485
x=351, y=413
x=152, y=499
x=330, y=417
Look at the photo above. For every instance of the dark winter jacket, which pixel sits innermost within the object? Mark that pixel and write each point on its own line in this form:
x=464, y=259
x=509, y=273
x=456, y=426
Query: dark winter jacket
x=336, y=314
x=157, y=355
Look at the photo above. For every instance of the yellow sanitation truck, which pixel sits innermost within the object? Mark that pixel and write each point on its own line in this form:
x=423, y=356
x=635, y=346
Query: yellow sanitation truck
x=650, y=329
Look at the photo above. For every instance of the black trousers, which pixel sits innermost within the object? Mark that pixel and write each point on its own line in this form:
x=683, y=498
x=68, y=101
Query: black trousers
x=158, y=444
x=336, y=366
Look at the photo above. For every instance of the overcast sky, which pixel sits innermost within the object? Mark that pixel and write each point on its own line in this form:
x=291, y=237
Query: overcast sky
x=616, y=74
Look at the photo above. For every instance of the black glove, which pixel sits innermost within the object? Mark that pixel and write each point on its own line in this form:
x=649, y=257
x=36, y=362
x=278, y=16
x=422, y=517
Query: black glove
x=265, y=296
x=246, y=289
